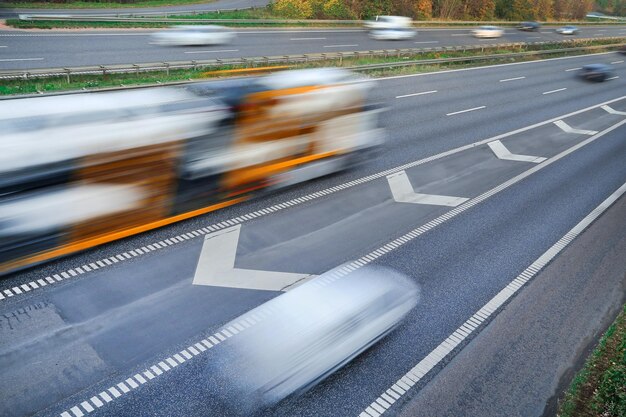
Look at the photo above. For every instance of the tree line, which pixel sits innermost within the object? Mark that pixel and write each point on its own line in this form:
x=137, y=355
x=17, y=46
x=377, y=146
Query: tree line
x=515, y=10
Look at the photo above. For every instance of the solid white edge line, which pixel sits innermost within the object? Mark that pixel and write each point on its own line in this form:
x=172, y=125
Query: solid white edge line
x=434, y=358
x=417, y=94
x=212, y=52
x=465, y=111
x=338, y=46
x=20, y=59
x=441, y=351
x=347, y=185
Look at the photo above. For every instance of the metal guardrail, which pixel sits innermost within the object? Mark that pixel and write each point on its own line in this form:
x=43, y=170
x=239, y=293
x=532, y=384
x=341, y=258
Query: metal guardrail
x=103, y=70
x=143, y=18
x=131, y=13
x=130, y=19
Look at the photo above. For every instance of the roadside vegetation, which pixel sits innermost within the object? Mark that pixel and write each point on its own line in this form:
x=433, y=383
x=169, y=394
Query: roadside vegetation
x=599, y=389
x=514, y=10
x=33, y=85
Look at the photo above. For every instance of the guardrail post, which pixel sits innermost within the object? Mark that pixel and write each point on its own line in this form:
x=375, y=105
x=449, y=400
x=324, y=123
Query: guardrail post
x=136, y=68
x=104, y=70
x=340, y=58
x=167, y=68
x=67, y=74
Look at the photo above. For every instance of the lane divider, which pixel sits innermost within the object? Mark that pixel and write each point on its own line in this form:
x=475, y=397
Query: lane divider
x=22, y=289
x=403, y=385
x=476, y=322
x=568, y=129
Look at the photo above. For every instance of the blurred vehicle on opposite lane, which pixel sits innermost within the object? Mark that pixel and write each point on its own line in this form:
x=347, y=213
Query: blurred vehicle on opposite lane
x=393, y=34
x=81, y=170
x=622, y=50
x=567, y=30
x=307, y=333
x=488, y=32
x=194, y=35
x=389, y=22
x=596, y=72
x=529, y=26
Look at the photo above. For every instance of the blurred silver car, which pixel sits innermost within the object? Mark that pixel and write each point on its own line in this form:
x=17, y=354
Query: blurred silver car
x=194, y=35
x=393, y=34
x=567, y=30
x=302, y=336
x=488, y=32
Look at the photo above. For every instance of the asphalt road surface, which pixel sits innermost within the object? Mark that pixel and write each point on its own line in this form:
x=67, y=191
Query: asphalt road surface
x=519, y=154
x=53, y=49
x=215, y=5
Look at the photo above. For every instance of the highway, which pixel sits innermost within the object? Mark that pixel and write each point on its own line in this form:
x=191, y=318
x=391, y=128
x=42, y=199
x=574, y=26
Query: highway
x=184, y=9
x=501, y=163
x=53, y=49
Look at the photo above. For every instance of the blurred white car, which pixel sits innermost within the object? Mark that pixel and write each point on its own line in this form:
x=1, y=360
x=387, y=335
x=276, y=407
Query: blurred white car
x=194, y=35
x=389, y=22
x=488, y=32
x=393, y=34
x=304, y=335
x=567, y=30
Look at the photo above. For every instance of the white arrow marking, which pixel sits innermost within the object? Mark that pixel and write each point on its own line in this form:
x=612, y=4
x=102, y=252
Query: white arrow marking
x=613, y=111
x=502, y=152
x=567, y=129
x=402, y=191
x=216, y=266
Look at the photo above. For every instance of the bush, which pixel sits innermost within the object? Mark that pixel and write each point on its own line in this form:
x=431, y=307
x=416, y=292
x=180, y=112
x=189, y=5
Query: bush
x=293, y=9
x=337, y=9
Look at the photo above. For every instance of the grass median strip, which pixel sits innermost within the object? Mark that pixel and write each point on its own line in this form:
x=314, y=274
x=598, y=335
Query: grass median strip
x=599, y=389
x=32, y=85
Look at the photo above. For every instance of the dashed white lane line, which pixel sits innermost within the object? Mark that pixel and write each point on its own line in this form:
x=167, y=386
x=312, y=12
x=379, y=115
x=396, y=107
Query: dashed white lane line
x=573, y=69
x=612, y=78
x=423, y=42
x=307, y=39
x=465, y=111
x=534, y=37
x=460, y=34
x=3, y=46
x=106, y=262
x=339, y=46
x=492, y=308
x=417, y=94
x=433, y=358
x=20, y=59
x=554, y=91
x=212, y=52
x=512, y=79
x=614, y=62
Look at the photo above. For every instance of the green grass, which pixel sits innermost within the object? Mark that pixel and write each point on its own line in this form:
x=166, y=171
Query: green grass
x=599, y=389
x=21, y=86
x=70, y=4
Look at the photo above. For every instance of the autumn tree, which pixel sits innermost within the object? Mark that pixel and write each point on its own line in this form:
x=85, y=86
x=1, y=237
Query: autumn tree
x=480, y=9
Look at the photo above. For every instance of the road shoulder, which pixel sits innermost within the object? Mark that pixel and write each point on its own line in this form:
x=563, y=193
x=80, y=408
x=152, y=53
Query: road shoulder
x=525, y=358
